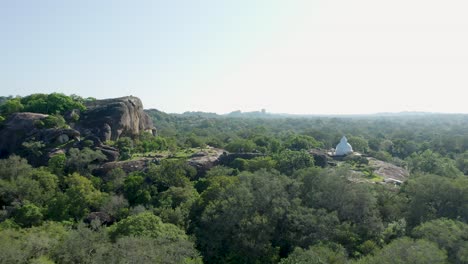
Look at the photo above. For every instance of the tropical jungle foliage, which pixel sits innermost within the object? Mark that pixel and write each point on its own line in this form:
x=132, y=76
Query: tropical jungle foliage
x=277, y=207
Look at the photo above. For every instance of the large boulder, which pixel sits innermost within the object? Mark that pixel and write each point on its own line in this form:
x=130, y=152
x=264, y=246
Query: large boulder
x=204, y=160
x=111, y=119
x=22, y=127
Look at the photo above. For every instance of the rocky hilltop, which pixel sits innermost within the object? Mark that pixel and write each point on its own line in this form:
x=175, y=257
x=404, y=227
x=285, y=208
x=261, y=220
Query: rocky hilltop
x=103, y=120
x=110, y=119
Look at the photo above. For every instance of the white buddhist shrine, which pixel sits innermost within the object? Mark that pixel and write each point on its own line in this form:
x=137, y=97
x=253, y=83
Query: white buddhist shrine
x=343, y=148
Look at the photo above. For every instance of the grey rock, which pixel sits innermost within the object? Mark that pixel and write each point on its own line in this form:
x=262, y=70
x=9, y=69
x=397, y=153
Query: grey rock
x=111, y=119
x=21, y=127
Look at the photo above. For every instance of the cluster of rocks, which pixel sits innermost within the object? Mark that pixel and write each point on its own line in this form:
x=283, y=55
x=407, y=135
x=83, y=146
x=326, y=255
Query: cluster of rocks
x=103, y=120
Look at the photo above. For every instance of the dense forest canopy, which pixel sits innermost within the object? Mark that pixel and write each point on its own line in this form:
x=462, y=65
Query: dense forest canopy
x=273, y=202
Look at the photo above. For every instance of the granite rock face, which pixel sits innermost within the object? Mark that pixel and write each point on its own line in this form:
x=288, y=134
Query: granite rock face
x=22, y=127
x=110, y=119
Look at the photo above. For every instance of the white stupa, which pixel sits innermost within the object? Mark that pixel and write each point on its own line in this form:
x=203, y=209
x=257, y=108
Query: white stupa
x=343, y=148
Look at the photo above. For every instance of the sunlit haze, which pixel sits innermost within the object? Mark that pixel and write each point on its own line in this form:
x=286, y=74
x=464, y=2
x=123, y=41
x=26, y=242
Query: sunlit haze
x=303, y=57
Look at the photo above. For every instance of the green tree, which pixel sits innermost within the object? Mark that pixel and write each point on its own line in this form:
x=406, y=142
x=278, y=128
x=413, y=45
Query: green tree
x=406, y=250
x=449, y=234
x=175, y=203
x=301, y=142
x=145, y=225
x=79, y=198
x=56, y=164
x=81, y=245
x=82, y=161
x=241, y=146
x=258, y=163
x=171, y=173
x=359, y=144
x=330, y=189
x=136, y=190
x=432, y=162
x=29, y=245
x=289, y=161
x=238, y=219
x=432, y=197
x=132, y=249
x=318, y=254
x=28, y=215
x=11, y=106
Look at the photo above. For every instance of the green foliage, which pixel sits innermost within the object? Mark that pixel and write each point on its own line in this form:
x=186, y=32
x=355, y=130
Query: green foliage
x=462, y=162
x=431, y=162
x=54, y=103
x=432, y=197
x=354, y=203
x=301, y=142
x=116, y=206
x=318, y=254
x=194, y=142
x=289, y=161
x=145, y=225
x=11, y=106
x=13, y=167
x=28, y=215
x=175, y=203
x=258, y=163
x=146, y=142
x=78, y=199
x=171, y=173
x=150, y=250
x=135, y=190
x=30, y=244
x=241, y=146
x=23, y=184
x=32, y=149
x=238, y=221
x=273, y=208
x=114, y=181
x=448, y=234
x=359, y=144
x=56, y=164
x=405, y=250
x=82, y=161
x=52, y=121
x=81, y=245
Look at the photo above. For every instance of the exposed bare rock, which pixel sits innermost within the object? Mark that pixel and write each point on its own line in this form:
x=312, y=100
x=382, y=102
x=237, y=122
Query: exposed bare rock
x=388, y=171
x=21, y=127
x=126, y=165
x=111, y=119
x=320, y=157
x=112, y=154
x=205, y=160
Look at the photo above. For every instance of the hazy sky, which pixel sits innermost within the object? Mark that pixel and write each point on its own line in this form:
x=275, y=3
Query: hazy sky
x=309, y=56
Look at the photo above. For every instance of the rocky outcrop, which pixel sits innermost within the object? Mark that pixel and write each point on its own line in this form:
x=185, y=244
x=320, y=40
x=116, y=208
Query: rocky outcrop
x=128, y=166
x=389, y=171
x=204, y=160
x=21, y=127
x=320, y=157
x=111, y=119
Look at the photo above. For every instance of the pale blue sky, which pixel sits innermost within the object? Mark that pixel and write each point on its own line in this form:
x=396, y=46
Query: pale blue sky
x=295, y=56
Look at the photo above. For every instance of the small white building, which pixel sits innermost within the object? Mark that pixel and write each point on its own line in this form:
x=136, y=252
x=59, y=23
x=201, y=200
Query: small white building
x=343, y=148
